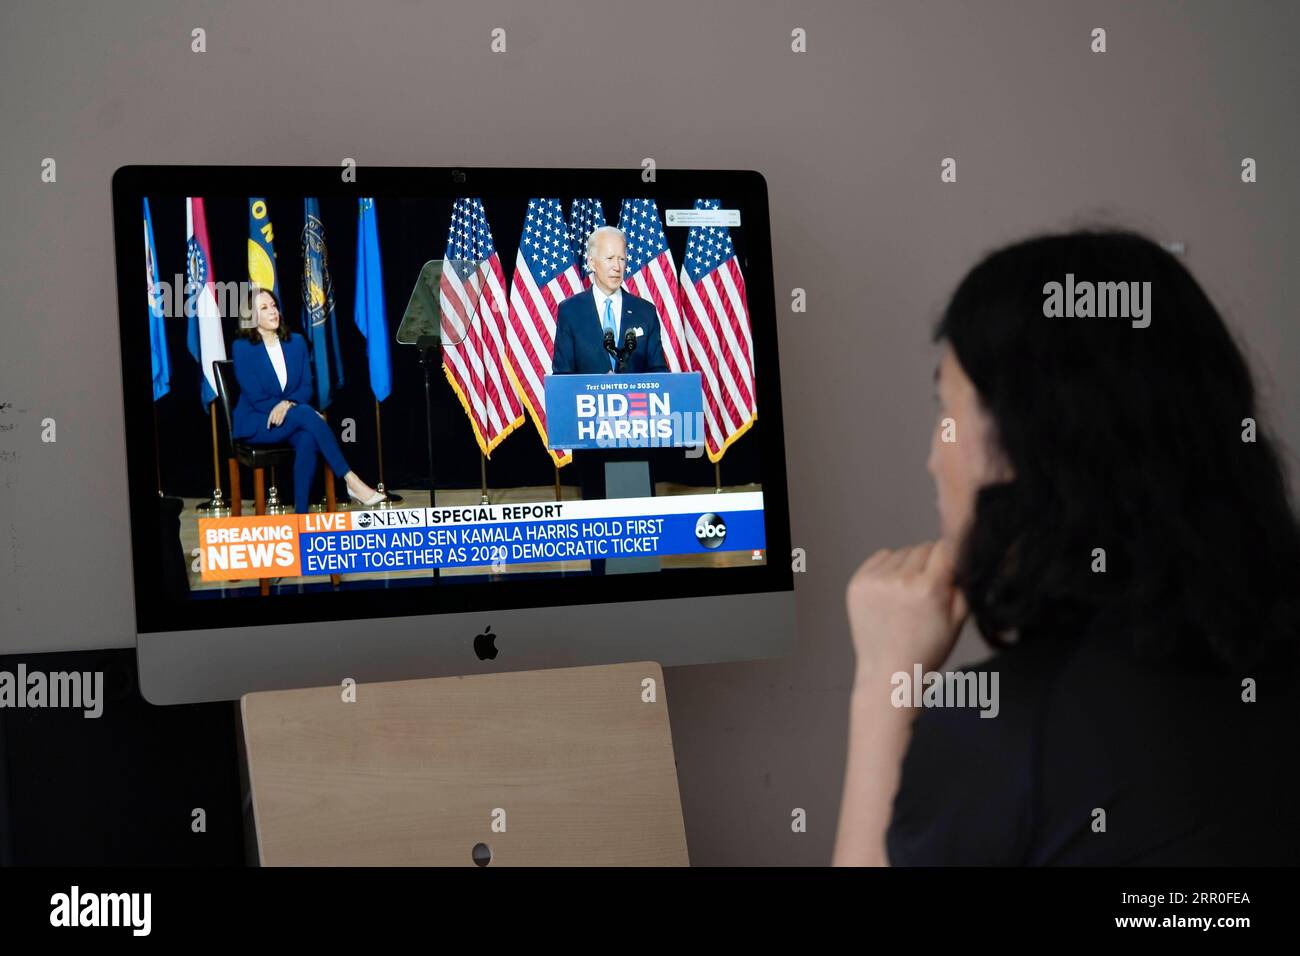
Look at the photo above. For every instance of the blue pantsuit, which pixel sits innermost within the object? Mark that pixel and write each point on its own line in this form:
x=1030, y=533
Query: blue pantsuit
x=260, y=391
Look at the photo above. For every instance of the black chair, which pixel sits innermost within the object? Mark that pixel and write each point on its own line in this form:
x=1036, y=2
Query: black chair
x=258, y=458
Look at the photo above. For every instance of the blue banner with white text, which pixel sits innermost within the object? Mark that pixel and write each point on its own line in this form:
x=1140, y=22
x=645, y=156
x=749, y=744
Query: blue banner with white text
x=640, y=410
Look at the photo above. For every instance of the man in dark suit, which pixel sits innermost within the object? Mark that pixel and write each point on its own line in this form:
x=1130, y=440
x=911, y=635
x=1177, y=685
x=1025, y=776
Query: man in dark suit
x=584, y=318
x=580, y=327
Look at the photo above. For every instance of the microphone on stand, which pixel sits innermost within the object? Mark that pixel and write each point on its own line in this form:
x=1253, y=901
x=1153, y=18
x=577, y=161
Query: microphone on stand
x=629, y=346
x=609, y=345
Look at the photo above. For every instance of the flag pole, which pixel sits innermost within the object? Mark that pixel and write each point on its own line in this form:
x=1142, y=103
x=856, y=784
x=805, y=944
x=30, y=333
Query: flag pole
x=216, y=458
x=482, y=353
x=379, y=444
x=379, y=451
x=717, y=478
x=557, y=482
x=215, y=507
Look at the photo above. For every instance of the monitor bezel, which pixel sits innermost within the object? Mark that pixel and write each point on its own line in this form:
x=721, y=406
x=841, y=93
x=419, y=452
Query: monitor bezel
x=156, y=612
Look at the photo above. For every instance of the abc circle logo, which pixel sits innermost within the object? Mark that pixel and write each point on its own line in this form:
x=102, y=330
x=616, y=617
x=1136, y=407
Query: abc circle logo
x=364, y=520
x=710, y=531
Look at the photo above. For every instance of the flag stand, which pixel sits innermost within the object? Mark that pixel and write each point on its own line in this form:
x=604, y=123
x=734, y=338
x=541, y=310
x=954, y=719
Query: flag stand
x=717, y=478
x=557, y=482
x=392, y=498
x=217, y=507
x=274, y=506
x=482, y=478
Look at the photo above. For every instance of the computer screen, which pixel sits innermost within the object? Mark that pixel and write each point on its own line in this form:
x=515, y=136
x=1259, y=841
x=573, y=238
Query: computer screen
x=375, y=393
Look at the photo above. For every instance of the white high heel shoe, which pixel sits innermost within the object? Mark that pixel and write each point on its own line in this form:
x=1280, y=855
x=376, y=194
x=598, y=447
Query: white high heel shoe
x=370, y=502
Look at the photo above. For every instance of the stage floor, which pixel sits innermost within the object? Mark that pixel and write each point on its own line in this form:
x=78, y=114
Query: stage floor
x=457, y=496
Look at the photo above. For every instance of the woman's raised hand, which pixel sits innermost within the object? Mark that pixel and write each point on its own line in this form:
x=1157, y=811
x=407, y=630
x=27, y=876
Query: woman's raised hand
x=904, y=608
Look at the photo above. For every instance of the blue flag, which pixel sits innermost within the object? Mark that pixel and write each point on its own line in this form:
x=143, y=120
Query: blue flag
x=318, y=321
x=369, y=312
x=162, y=369
x=261, y=248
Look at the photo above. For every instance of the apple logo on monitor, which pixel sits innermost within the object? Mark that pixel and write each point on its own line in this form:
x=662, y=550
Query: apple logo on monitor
x=485, y=645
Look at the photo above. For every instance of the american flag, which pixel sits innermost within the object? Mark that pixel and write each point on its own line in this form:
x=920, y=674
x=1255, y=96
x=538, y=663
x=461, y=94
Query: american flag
x=585, y=217
x=652, y=275
x=717, y=333
x=545, y=275
x=473, y=297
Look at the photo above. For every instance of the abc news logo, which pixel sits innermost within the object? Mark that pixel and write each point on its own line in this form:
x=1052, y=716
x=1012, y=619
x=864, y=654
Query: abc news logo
x=710, y=530
x=390, y=519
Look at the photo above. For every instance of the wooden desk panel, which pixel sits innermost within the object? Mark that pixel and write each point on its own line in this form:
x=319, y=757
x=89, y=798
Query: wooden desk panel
x=411, y=773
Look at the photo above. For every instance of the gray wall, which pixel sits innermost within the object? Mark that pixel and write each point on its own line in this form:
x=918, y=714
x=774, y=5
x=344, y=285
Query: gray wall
x=850, y=136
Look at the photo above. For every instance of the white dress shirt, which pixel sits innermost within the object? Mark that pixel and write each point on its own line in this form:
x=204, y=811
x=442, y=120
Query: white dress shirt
x=617, y=300
x=276, y=354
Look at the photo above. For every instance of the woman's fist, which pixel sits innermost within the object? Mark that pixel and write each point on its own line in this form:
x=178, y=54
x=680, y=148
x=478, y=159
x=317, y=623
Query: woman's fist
x=904, y=608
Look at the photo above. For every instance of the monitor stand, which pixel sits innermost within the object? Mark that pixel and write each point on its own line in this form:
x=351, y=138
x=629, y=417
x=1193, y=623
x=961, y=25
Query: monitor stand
x=564, y=767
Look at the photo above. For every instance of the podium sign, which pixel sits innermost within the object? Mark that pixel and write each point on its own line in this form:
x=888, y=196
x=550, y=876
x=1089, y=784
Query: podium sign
x=632, y=410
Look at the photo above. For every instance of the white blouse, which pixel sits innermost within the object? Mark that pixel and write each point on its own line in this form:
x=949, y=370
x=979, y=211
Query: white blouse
x=276, y=354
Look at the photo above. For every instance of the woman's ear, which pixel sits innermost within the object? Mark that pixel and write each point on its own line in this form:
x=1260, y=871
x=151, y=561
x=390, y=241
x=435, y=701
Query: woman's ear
x=998, y=467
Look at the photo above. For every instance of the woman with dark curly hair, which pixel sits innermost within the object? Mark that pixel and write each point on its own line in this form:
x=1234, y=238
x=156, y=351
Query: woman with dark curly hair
x=1116, y=520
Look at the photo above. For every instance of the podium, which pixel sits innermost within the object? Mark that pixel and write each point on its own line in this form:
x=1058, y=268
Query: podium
x=564, y=767
x=618, y=414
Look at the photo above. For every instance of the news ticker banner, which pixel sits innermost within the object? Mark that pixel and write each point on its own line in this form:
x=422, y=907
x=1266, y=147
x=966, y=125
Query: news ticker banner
x=413, y=539
x=656, y=409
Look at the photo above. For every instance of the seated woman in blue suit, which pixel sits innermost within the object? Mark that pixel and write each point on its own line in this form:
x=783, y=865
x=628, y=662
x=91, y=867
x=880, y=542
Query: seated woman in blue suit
x=275, y=386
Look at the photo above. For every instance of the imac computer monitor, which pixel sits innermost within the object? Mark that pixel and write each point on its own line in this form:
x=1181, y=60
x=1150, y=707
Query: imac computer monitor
x=395, y=423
